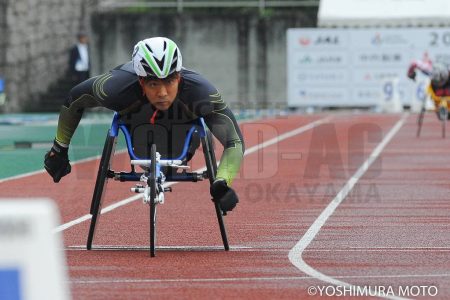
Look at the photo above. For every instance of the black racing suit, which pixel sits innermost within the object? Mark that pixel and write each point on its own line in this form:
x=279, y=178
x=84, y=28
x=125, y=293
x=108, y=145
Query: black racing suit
x=120, y=91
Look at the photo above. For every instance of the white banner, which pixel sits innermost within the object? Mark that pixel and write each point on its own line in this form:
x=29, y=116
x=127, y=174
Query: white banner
x=375, y=13
x=355, y=67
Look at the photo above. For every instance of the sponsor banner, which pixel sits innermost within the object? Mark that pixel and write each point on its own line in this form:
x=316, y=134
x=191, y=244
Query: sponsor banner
x=319, y=96
x=316, y=77
x=372, y=76
x=357, y=63
x=367, y=95
x=381, y=58
x=321, y=58
x=380, y=39
x=374, y=95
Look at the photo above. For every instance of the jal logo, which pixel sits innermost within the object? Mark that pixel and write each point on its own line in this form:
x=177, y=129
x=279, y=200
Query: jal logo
x=327, y=40
x=304, y=41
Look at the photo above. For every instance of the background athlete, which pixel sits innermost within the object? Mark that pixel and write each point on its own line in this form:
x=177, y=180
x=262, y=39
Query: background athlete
x=439, y=75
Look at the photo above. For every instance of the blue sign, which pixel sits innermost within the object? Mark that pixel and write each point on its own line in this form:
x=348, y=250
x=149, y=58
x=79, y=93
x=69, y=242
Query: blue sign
x=2, y=85
x=10, y=284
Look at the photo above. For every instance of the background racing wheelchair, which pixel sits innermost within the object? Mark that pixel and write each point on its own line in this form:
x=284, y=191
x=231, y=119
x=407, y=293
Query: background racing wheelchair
x=160, y=150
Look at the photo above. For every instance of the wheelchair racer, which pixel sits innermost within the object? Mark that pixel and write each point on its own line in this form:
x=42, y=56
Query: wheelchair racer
x=439, y=86
x=154, y=75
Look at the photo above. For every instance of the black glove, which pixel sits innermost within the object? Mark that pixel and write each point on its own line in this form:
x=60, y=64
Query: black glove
x=412, y=74
x=224, y=195
x=56, y=162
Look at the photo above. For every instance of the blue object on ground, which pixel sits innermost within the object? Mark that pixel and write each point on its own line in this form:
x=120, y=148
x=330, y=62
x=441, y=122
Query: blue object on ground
x=10, y=284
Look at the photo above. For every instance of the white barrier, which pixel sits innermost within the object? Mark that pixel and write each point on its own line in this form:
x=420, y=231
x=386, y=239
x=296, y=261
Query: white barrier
x=32, y=261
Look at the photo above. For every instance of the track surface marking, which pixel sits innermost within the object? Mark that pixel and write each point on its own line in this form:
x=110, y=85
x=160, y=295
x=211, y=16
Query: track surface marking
x=295, y=255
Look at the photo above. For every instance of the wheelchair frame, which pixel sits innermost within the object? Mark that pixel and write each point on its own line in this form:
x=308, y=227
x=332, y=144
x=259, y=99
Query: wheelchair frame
x=443, y=115
x=153, y=178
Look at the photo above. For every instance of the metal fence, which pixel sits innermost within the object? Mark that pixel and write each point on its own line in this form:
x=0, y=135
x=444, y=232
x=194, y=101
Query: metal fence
x=180, y=5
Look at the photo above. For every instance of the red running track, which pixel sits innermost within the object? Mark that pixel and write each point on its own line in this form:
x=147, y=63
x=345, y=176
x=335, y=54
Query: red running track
x=392, y=229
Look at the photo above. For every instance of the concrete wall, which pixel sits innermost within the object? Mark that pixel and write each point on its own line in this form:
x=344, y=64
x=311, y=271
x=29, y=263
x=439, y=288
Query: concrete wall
x=3, y=6
x=244, y=55
x=34, y=43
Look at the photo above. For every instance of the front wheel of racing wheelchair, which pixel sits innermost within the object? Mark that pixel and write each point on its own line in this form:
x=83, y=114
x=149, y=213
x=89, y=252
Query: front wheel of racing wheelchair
x=153, y=177
x=153, y=201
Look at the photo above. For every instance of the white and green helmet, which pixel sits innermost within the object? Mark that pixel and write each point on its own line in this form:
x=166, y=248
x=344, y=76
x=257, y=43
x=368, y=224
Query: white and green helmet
x=156, y=57
x=439, y=74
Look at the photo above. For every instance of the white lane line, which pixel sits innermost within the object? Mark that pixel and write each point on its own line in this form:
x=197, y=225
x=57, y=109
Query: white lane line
x=187, y=280
x=286, y=135
x=399, y=249
x=22, y=175
x=251, y=150
x=163, y=248
x=75, y=162
x=43, y=170
x=252, y=249
x=295, y=255
x=281, y=278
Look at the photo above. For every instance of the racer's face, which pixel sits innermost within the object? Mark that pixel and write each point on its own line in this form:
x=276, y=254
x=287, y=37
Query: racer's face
x=161, y=92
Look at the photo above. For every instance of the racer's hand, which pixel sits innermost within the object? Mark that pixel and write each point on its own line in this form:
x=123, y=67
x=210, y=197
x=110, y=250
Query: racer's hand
x=412, y=74
x=56, y=162
x=224, y=195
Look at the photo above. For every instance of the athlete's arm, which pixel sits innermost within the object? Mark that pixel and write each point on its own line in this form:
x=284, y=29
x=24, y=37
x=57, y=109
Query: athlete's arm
x=117, y=90
x=224, y=127
x=85, y=95
x=423, y=66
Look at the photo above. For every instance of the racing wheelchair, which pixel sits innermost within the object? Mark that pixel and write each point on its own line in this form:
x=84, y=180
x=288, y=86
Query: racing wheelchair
x=442, y=114
x=154, y=148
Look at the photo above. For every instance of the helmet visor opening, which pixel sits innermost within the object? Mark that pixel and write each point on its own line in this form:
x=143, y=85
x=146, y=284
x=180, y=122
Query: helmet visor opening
x=155, y=78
